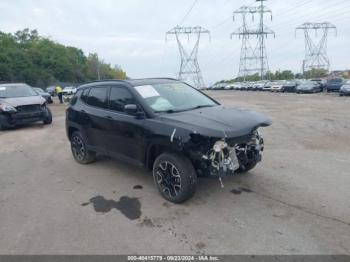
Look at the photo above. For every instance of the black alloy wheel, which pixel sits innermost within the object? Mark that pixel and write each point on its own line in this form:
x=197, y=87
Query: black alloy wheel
x=168, y=179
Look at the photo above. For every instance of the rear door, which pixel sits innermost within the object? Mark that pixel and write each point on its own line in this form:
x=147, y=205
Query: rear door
x=126, y=131
x=96, y=111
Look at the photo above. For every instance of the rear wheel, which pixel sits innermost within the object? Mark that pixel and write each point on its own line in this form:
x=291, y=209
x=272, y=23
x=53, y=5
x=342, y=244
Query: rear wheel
x=175, y=177
x=79, y=149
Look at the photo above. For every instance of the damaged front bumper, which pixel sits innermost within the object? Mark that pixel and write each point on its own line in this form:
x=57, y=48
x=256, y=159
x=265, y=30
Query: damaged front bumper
x=229, y=156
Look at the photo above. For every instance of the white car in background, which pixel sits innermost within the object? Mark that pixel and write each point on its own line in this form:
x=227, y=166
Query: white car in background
x=267, y=86
x=278, y=86
x=233, y=86
x=69, y=90
x=259, y=85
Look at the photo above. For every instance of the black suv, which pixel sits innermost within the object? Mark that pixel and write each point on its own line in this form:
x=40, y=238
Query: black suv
x=166, y=126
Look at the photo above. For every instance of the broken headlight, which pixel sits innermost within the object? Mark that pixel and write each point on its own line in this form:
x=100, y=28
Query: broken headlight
x=4, y=107
x=223, y=158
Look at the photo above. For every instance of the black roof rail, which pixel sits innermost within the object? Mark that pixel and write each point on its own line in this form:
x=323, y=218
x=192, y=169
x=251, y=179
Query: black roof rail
x=127, y=80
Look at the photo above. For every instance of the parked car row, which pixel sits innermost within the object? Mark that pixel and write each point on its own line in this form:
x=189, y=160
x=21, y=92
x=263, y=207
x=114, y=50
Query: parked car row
x=291, y=86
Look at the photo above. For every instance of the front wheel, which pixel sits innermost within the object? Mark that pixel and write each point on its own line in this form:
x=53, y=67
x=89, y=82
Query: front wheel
x=79, y=149
x=247, y=167
x=49, y=100
x=4, y=122
x=48, y=117
x=175, y=177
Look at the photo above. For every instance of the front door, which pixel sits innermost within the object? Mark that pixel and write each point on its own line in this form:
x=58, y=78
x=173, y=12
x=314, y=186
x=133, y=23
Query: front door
x=126, y=131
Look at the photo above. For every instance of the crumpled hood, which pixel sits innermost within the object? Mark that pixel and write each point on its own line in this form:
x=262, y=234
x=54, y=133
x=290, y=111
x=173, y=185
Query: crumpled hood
x=218, y=121
x=23, y=101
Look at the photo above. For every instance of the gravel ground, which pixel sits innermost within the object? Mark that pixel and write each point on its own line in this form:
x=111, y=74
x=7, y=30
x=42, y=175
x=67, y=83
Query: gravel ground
x=297, y=201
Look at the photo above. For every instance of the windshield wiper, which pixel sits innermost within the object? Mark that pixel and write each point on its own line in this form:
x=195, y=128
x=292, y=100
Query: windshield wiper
x=199, y=106
x=170, y=111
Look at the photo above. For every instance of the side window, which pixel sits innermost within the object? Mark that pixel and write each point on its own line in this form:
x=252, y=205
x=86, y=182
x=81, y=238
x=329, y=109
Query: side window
x=119, y=97
x=98, y=97
x=84, y=95
x=75, y=97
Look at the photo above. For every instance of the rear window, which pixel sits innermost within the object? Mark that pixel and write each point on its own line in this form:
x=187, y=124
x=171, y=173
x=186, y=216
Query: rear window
x=85, y=94
x=16, y=90
x=75, y=97
x=98, y=97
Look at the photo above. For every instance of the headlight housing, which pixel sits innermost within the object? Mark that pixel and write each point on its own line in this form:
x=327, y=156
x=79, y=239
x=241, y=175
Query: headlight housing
x=7, y=108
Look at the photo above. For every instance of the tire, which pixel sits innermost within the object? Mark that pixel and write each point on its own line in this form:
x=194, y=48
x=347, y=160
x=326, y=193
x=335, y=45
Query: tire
x=48, y=119
x=3, y=122
x=79, y=150
x=249, y=166
x=175, y=177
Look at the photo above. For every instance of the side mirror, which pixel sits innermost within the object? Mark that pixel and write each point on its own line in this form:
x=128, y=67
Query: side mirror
x=132, y=109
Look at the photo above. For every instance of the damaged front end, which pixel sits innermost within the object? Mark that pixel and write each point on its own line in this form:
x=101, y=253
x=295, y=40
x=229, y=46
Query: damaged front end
x=222, y=157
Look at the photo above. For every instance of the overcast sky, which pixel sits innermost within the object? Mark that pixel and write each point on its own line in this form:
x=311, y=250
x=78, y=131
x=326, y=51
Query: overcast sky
x=131, y=33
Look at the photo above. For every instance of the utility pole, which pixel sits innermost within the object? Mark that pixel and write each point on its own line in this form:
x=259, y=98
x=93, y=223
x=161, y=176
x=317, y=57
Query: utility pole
x=98, y=69
x=263, y=56
x=189, y=66
x=316, y=52
x=253, y=60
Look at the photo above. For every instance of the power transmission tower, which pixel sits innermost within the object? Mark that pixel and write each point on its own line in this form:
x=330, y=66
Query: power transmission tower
x=316, y=52
x=253, y=60
x=189, y=67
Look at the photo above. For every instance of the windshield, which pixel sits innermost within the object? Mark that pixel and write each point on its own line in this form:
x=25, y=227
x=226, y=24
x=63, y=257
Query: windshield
x=39, y=90
x=16, y=90
x=173, y=97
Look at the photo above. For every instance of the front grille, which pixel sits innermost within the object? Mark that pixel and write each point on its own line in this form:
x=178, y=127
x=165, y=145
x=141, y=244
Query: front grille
x=28, y=108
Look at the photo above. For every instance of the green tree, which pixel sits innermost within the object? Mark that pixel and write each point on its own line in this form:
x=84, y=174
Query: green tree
x=25, y=56
x=313, y=73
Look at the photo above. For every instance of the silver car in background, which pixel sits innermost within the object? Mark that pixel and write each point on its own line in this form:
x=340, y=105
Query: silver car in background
x=345, y=89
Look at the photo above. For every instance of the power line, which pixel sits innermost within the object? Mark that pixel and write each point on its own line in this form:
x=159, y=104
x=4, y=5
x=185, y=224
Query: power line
x=188, y=12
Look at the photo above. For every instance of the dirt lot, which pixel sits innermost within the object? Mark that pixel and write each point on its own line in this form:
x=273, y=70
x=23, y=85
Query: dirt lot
x=297, y=201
